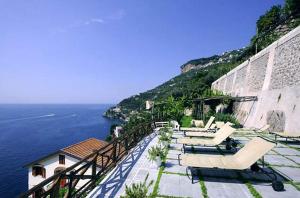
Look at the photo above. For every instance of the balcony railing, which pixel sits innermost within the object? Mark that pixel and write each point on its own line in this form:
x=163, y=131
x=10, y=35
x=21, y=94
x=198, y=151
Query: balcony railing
x=101, y=162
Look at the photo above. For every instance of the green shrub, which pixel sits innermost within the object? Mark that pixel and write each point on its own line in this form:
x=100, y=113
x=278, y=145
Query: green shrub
x=225, y=118
x=108, y=138
x=62, y=192
x=164, y=136
x=165, y=130
x=186, y=121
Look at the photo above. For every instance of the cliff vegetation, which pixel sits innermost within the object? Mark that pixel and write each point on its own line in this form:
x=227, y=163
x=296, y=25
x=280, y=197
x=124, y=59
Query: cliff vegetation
x=198, y=74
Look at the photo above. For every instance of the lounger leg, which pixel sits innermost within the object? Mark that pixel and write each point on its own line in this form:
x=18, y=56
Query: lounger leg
x=276, y=184
x=192, y=176
x=187, y=173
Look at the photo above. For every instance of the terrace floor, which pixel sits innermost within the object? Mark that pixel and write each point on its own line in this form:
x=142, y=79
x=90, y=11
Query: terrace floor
x=171, y=179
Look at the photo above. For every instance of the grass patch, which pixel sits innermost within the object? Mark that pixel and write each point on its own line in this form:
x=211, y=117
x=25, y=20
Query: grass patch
x=295, y=184
x=160, y=172
x=186, y=121
x=202, y=185
x=249, y=186
x=172, y=173
x=156, y=185
x=252, y=190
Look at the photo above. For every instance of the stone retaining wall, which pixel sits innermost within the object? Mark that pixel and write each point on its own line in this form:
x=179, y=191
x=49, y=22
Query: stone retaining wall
x=273, y=75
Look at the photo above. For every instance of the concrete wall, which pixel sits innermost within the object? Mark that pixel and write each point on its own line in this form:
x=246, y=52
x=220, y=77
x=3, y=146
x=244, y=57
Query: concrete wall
x=273, y=75
x=50, y=164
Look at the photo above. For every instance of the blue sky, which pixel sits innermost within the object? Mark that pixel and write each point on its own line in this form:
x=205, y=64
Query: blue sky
x=101, y=51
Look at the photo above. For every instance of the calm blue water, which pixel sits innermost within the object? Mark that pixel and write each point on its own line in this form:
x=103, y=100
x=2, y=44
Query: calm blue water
x=28, y=132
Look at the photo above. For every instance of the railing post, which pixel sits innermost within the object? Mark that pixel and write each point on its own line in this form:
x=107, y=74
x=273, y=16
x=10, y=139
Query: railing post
x=94, y=167
x=114, y=156
x=94, y=170
x=126, y=144
x=55, y=190
x=70, y=185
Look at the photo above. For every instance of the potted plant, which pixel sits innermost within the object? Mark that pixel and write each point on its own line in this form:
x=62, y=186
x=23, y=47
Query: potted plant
x=156, y=154
x=165, y=130
x=164, y=139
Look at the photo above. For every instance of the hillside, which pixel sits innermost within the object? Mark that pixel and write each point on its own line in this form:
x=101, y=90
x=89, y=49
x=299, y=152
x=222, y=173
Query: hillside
x=198, y=74
x=226, y=57
x=190, y=84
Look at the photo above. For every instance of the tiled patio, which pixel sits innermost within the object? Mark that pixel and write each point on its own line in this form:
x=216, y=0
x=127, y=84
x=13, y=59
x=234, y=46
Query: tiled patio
x=172, y=180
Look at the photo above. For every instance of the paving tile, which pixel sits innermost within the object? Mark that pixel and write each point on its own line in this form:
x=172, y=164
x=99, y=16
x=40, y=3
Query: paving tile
x=293, y=173
x=179, y=186
x=287, y=151
x=266, y=191
x=177, y=136
x=272, y=153
x=172, y=151
x=295, y=145
x=217, y=187
x=294, y=158
x=278, y=160
x=175, y=146
x=172, y=156
x=174, y=167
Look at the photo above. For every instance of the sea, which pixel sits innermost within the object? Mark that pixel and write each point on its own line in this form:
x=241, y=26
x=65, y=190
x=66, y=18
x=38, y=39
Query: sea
x=28, y=132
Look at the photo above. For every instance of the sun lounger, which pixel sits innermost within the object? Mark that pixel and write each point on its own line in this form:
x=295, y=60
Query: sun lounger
x=286, y=135
x=212, y=129
x=208, y=124
x=256, y=130
x=219, y=124
x=160, y=125
x=213, y=126
x=243, y=159
x=202, y=134
x=222, y=135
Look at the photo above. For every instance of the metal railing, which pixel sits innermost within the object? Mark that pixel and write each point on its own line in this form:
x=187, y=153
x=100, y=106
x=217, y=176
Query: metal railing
x=101, y=162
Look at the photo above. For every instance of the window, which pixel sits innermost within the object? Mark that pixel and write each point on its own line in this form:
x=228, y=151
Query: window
x=38, y=170
x=61, y=159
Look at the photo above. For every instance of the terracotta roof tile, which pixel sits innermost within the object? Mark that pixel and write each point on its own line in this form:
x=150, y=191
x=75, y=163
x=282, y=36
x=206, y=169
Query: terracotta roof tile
x=84, y=148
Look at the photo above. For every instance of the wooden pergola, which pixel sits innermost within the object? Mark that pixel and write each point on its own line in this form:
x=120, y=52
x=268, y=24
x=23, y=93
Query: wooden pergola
x=200, y=102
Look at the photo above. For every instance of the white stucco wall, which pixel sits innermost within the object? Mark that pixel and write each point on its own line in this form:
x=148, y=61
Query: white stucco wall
x=50, y=164
x=273, y=75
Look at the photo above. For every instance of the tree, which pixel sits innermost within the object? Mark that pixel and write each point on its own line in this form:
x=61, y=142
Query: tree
x=292, y=7
x=269, y=19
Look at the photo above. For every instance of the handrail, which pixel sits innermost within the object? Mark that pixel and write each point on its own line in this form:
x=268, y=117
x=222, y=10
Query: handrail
x=107, y=156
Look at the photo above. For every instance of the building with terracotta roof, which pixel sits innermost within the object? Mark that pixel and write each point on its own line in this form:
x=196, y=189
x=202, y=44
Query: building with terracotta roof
x=47, y=166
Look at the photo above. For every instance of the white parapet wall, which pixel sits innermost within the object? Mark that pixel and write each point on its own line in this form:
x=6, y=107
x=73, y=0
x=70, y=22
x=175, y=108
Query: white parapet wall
x=273, y=75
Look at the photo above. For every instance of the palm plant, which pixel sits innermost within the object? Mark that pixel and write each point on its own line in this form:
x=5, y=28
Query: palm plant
x=155, y=152
x=138, y=190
